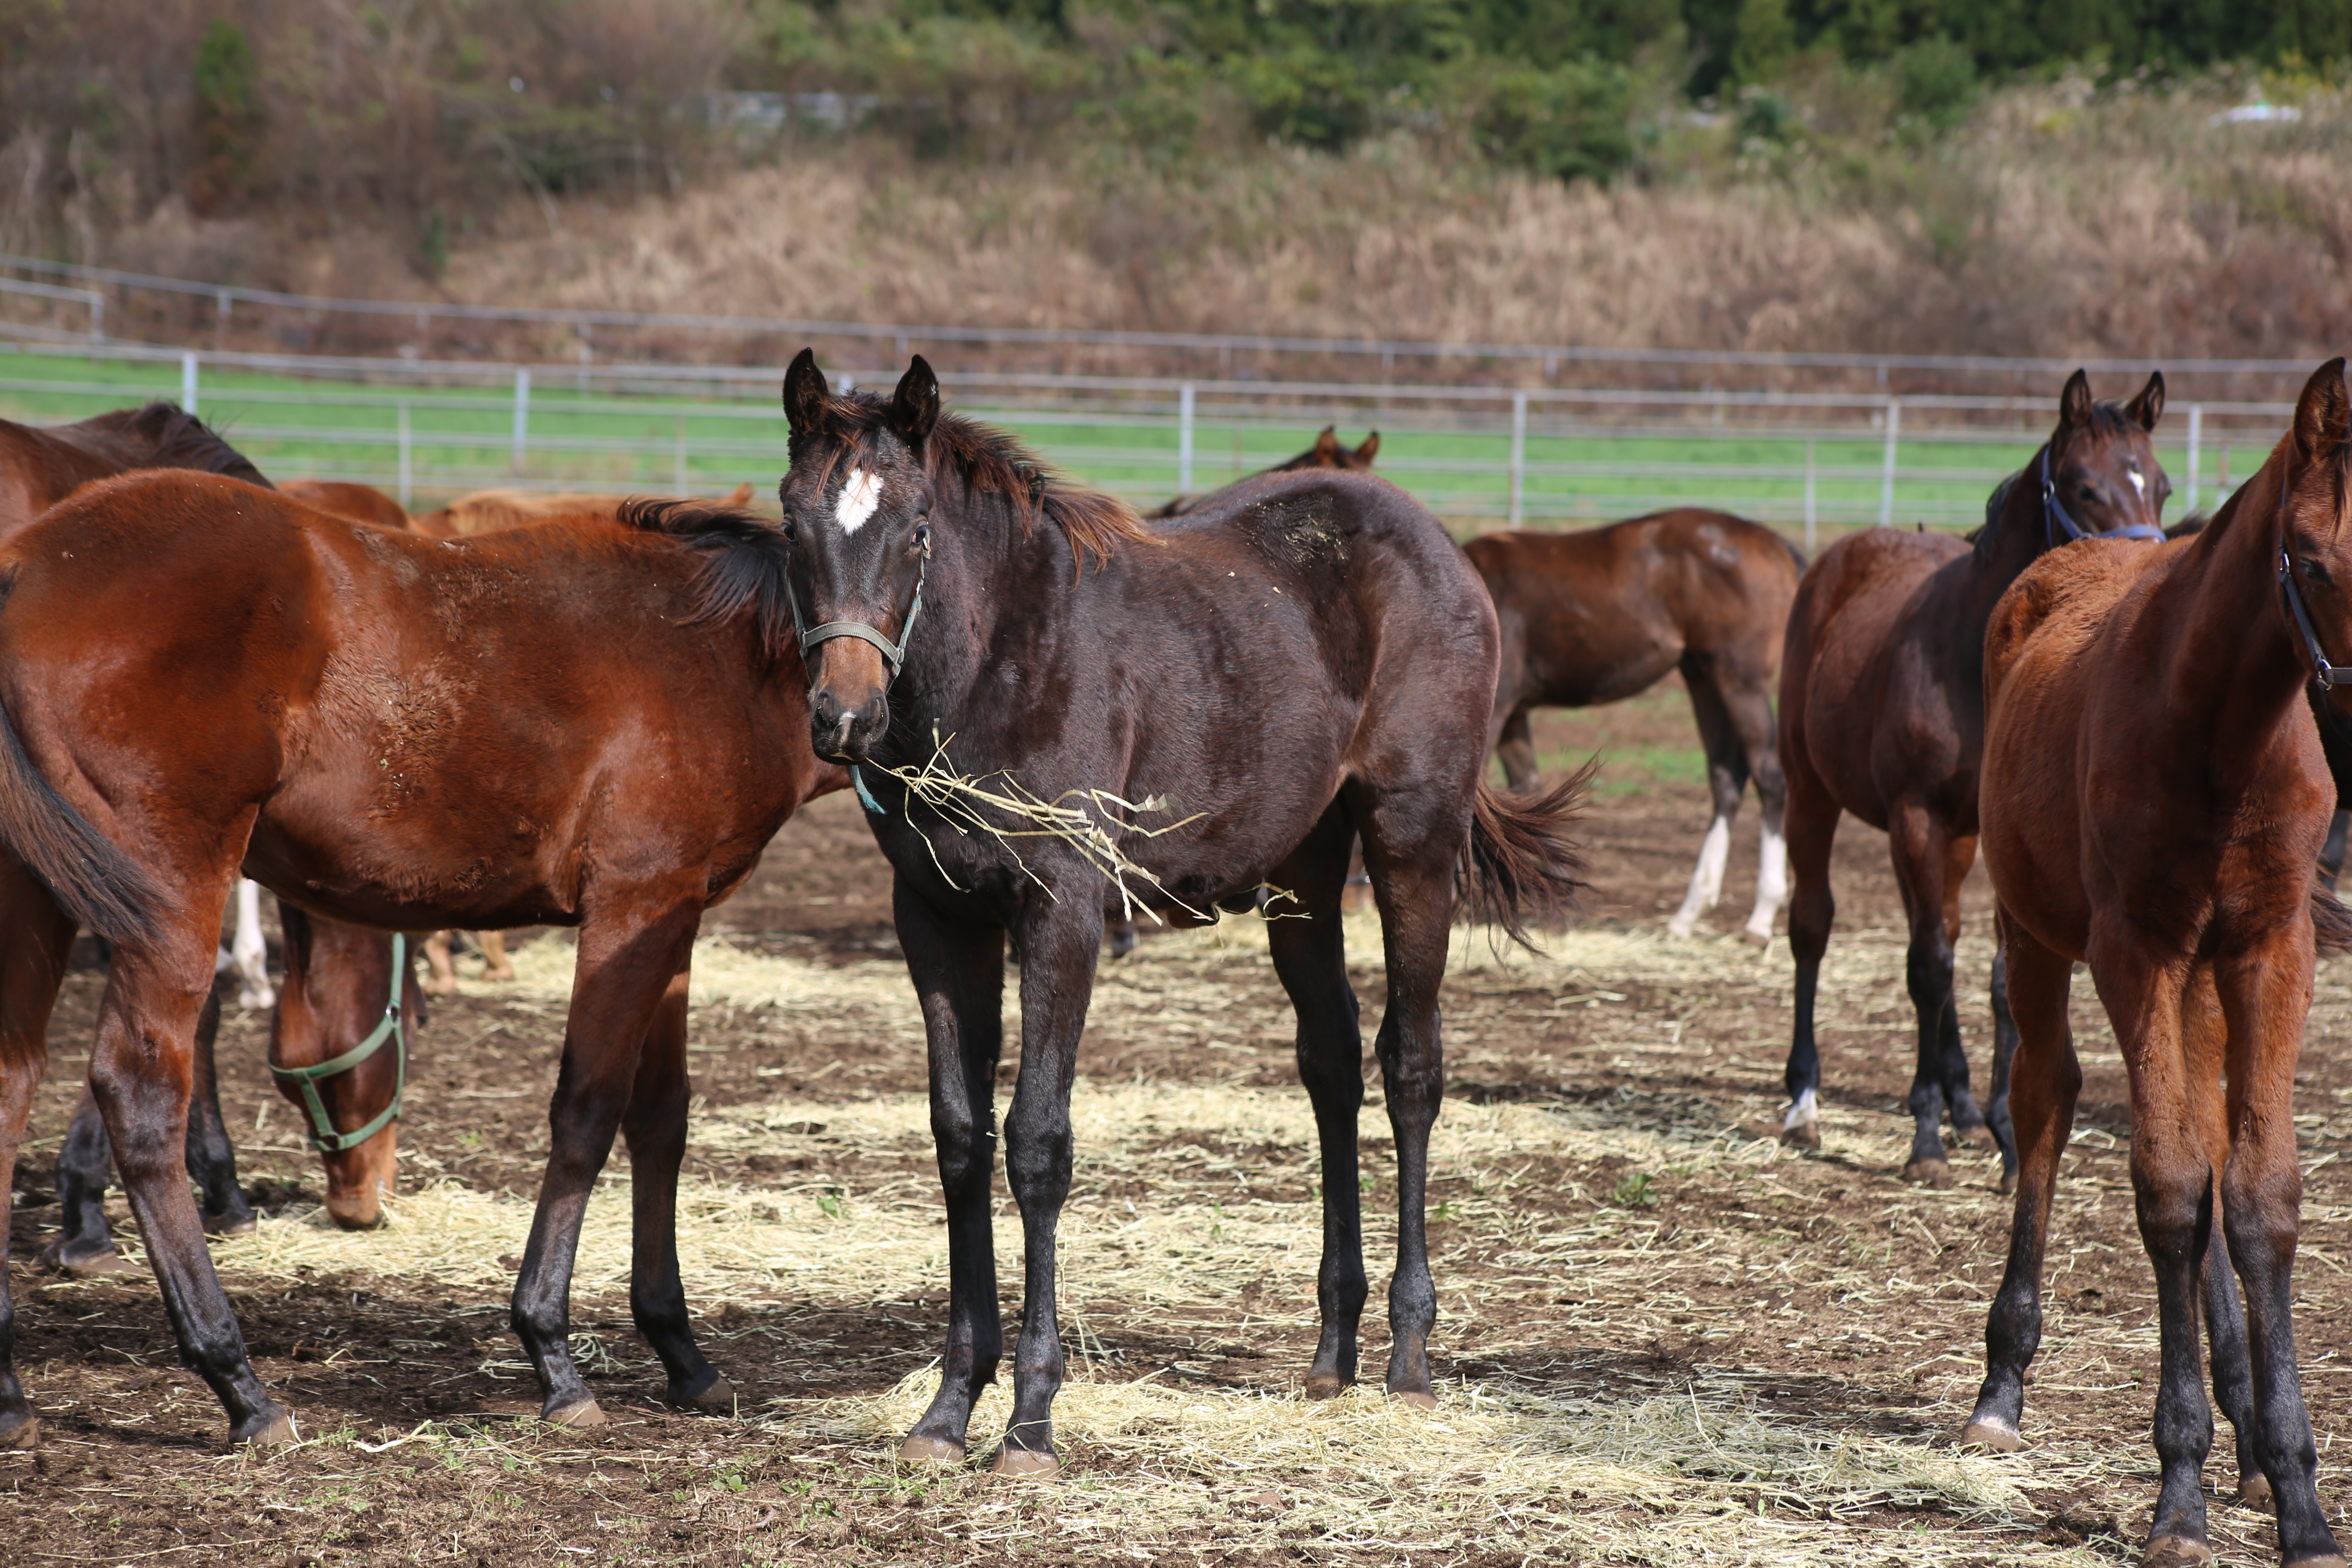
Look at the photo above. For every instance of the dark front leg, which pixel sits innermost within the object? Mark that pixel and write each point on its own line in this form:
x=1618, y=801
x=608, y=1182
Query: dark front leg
x=212, y=1158
x=2233, y=1379
x=2004, y=1051
x=654, y=1129
x=1057, y=975
x=959, y=974
x=628, y=957
x=1928, y=971
x=2175, y=1202
x=83, y=1247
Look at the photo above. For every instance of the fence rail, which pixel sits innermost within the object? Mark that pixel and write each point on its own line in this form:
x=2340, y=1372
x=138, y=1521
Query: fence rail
x=1803, y=460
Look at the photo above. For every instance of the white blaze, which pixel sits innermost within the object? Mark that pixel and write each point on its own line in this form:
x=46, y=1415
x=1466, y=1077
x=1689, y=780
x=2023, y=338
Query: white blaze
x=859, y=496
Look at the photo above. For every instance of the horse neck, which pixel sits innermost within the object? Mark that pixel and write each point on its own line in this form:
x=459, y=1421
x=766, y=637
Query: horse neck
x=2011, y=543
x=984, y=574
x=2237, y=665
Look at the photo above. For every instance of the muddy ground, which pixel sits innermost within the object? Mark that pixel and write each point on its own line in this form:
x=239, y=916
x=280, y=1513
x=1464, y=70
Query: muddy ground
x=1807, y=1294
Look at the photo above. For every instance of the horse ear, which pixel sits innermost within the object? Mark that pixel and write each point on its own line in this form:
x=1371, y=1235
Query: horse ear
x=914, y=407
x=2324, y=412
x=2074, y=403
x=2148, y=406
x=1369, y=449
x=805, y=394
x=1327, y=449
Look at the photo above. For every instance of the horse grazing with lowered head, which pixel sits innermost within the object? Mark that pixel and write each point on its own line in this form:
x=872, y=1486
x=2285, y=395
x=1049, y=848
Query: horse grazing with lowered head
x=596, y=724
x=1305, y=660
x=1881, y=714
x=2154, y=801
x=1327, y=453
x=1601, y=614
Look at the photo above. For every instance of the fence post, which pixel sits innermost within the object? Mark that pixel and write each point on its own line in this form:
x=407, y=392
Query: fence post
x=1809, y=495
x=677, y=463
x=1184, y=439
x=188, y=380
x=2196, y=441
x=1518, y=456
x=1886, y=477
x=405, y=469
x=521, y=416
x=97, y=317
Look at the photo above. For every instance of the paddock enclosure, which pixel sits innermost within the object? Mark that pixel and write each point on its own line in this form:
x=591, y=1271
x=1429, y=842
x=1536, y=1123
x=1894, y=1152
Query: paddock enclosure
x=1662, y=1337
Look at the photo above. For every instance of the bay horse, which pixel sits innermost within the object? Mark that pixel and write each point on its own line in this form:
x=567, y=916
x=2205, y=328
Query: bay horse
x=1327, y=453
x=597, y=724
x=1601, y=614
x=1304, y=660
x=1882, y=715
x=2154, y=801
x=360, y=504
x=488, y=511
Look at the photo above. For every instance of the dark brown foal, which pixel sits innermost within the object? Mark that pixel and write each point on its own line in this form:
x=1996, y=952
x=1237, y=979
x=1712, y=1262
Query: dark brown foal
x=2154, y=801
x=1881, y=714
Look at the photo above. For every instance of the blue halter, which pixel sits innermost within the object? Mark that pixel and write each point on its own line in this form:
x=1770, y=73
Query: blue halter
x=2054, y=518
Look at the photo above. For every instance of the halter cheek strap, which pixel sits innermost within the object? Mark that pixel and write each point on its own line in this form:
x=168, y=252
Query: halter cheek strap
x=894, y=654
x=323, y=1136
x=2054, y=519
x=2322, y=674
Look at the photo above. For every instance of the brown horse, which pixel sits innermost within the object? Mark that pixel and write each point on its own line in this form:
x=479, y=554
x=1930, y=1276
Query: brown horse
x=1602, y=615
x=360, y=504
x=1881, y=714
x=1302, y=662
x=2154, y=801
x=596, y=724
x=488, y=511
x=1327, y=453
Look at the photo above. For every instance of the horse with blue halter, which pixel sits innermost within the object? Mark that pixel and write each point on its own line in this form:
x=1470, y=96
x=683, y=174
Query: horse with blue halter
x=1882, y=715
x=1225, y=701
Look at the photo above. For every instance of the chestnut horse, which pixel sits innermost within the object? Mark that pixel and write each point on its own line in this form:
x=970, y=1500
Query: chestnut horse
x=2154, y=801
x=488, y=511
x=597, y=724
x=1601, y=614
x=1881, y=714
x=1299, y=661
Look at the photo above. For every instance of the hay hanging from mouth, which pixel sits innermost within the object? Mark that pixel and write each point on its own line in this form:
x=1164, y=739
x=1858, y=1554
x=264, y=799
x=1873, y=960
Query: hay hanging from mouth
x=963, y=801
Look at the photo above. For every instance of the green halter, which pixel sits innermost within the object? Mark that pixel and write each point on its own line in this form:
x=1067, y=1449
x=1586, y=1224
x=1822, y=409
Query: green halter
x=323, y=1136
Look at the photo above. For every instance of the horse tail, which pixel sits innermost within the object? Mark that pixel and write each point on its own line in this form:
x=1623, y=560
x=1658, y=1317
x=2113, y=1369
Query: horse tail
x=1521, y=863
x=89, y=875
x=2331, y=922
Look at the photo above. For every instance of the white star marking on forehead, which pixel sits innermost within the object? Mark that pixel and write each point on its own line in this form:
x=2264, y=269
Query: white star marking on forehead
x=2140, y=484
x=860, y=495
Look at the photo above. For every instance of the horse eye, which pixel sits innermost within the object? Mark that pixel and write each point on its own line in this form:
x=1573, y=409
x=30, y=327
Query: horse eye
x=922, y=536
x=792, y=529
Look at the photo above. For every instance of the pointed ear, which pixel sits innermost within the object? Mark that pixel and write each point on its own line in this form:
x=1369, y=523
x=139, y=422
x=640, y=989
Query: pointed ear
x=2074, y=403
x=806, y=396
x=2324, y=412
x=914, y=407
x=1369, y=449
x=2148, y=406
x=1327, y=449
x=740, y=495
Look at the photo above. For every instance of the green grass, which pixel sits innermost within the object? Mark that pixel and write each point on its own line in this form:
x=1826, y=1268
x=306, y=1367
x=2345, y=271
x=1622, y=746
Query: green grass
x=461, y=439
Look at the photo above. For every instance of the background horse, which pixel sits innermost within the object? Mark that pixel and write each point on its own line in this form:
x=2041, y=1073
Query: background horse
x=2154, y=801
x=487, y=512
x=591, y=724
x=1305, y=660
x=1881, y=714
x=1327, y=453
x=1601, y=614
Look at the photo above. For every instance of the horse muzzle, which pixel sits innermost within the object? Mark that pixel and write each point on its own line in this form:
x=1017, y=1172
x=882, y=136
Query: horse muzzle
x=846, y=732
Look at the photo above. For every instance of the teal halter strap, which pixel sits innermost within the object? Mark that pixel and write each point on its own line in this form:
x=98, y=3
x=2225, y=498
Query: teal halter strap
x=323, y=1136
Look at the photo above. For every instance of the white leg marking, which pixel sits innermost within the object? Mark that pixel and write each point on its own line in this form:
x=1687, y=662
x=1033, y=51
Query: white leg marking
x=1707, y=881
x=860, y=494
x=1804, y=1111
x=250, y=953
x=1771, y=884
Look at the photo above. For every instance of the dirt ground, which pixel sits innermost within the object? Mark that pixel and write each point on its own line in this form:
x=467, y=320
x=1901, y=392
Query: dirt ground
x=1662, y=1337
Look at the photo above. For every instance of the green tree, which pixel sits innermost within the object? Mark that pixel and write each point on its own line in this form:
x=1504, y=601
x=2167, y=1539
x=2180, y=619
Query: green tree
x=227, y=78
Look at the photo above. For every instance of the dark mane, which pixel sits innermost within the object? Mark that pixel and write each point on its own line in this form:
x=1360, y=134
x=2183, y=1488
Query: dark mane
x=994, y=464
x=743, y=557
x=160, y=436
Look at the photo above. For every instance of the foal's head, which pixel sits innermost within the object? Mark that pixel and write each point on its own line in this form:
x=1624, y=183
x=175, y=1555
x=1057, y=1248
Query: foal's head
x=1327, y=453
x=2101, y=472
x=2315, y=495
x=857, y=509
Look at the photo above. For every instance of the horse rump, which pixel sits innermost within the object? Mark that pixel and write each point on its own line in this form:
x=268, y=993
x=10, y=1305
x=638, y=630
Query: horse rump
x=1520, y=864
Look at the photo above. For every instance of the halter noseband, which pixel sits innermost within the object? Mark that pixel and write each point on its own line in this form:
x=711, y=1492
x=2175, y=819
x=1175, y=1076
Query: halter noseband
x=2054, y=518
x=323, y=1136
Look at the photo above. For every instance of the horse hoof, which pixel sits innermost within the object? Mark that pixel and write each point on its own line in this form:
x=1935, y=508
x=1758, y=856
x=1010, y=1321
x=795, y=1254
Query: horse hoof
x=1679, y=928
x=718, y=1399
x=1804, y=1135
x=1990, y=1434
x=2255, y=1491
x=2175, y=1551
x=276, y=1429
x=583, y=1414
x=2330, y=1561
x=1980, y=1136
x=1928, y=1172
x=1322, y=1387
x=919, y=1448
x=1025, y=1464
x=2008, y=1183
x=85, y=1260
x=230, y=1224
x=1418, y=1398
x=25, y=1434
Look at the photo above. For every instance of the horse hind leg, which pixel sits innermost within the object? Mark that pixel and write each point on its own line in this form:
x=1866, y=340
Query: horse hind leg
x=1922, y=858
x=1812, y=908
x=33, y=950
x=1310, y=959
x=1727, y=777
x=212, y=1158
x=2204, y=1048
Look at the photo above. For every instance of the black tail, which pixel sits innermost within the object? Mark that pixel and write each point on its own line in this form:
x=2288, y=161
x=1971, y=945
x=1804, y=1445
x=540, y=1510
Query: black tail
x=2331, y=922
x=1521, y=864
x=92, y=880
